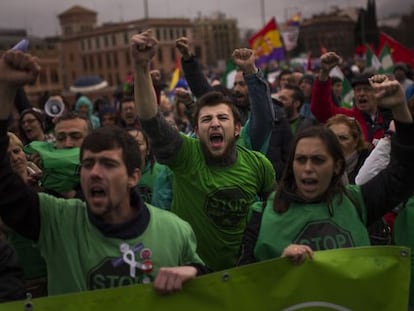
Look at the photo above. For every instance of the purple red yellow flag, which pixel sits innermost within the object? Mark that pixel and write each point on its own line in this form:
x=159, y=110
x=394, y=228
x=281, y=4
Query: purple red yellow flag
x=267, y=43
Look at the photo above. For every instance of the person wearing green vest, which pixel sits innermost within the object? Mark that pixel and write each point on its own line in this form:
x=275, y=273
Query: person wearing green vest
x=112, y=238
x=60, y=161
x=312, y=210
x=215, y=181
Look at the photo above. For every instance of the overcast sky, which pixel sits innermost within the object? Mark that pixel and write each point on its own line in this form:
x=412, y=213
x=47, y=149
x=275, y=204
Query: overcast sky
x=39, y=17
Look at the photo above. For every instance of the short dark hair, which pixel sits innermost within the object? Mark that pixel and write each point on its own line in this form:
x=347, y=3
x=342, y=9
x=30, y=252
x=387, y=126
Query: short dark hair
x=214, y=98
x=297, y=92
x=125, y=99
x=113, y=137
x=71, y=115
x=287, y=185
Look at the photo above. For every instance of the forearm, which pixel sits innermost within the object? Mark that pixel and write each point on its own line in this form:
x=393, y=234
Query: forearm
x=165, y=141
x=394, y=184
x=261, y=109
x=195, y=77
x=145, y=98
x=7, y=95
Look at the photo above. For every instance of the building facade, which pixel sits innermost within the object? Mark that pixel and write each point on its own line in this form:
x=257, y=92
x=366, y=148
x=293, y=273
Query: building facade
x=221, y=36
x=333, y=32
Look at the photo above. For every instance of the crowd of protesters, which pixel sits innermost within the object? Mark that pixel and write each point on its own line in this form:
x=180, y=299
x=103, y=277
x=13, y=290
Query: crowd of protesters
x=158, y=187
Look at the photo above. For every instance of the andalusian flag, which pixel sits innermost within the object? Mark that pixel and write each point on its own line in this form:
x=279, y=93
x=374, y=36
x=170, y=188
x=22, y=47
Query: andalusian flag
x=371, y=59
x=228, y=77
x=386, y=60
x=347, y=95
x=267, y=43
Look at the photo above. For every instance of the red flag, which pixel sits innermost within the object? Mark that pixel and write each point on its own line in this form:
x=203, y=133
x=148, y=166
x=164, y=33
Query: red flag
x=399, y=52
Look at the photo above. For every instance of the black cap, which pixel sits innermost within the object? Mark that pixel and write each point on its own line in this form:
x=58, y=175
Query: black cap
x=361, y=78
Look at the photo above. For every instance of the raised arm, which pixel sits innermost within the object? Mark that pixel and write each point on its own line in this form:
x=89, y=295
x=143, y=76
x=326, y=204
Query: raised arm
x=395, y=183
x=322, y=105
x=261, y=106
x=165, y=140
x=192, y=71
x=19, y=206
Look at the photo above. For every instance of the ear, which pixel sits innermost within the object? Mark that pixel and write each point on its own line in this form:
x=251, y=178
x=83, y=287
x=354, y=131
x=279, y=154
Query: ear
x=196, y=131
x=134, y=179
x=237, y=129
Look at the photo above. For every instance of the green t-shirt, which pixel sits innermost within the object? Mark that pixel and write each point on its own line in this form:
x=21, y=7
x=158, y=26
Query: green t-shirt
x=215, y=200
x=147, y=181
x=404, y=235
x=313, y=225
x=79, y=257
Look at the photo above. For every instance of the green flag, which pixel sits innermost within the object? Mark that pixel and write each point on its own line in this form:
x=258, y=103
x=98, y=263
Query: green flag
x=371, y=59
x=228, y=77
x=347, y=95
x=363, y=278
x=385, y=58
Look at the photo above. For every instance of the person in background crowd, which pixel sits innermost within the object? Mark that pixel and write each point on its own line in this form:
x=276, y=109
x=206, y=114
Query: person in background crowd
x=373, y=121
x=311, y=204
x=403, y=75
x=355, y=148
x=114, y=229
x=84, y=107
x=217, y=211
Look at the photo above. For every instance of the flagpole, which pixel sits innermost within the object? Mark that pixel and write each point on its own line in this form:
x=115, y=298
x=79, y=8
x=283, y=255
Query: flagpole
x=262, y=9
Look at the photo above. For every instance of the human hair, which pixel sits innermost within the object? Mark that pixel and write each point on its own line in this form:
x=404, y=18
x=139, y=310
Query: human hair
x=71, y=115
x=297, y=93
x=125, y=99
x=214, y=98
x=149, y=157
x=113, y=137
x=287, y=186
x=14, y=140
x=354, y=128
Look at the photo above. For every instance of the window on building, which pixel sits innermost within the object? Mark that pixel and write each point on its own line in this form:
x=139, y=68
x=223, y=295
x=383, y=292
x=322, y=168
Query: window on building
x=115, y=59
x=159, y=55
x=113, y=37
x=89, y=44
x=73, y=75
x=185, y=32
x=85, y=63
x=106, y=41
x=71, y=57
x=54, y=77
x=171, y=37
x=43, y=77
x=198, y=51
x=99, y=58
x=128, y=58
x=126, y=38
x=158, y=33
x=82, y=45
x=97, y=43
x=108, y=60
x=91, y=63
x=172, y=52
x=110, y=79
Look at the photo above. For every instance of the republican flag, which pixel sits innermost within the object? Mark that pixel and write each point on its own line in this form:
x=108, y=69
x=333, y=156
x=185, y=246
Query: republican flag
x=176, y=74
x=267, y=43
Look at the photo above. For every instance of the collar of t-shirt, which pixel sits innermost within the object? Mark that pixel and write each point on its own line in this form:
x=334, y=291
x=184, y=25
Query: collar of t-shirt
x=130, y=229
